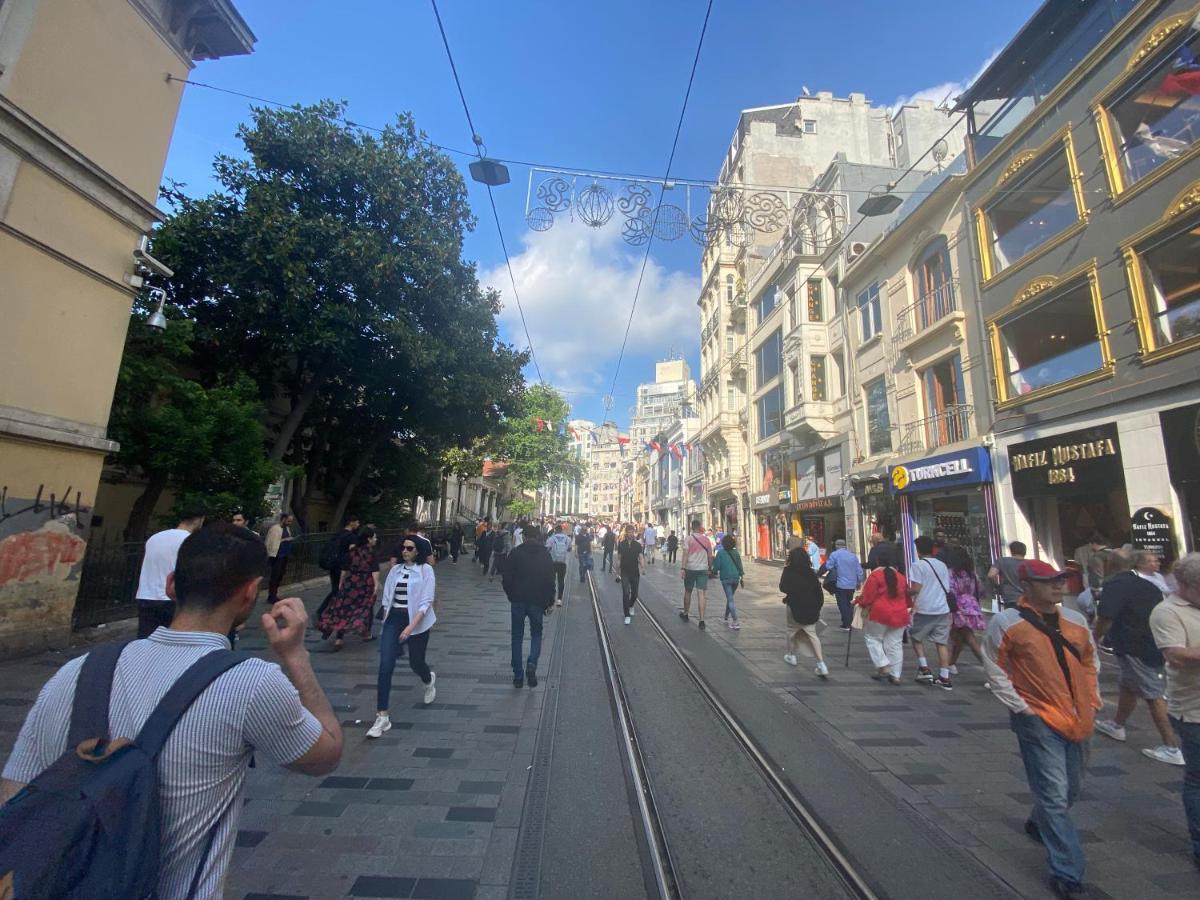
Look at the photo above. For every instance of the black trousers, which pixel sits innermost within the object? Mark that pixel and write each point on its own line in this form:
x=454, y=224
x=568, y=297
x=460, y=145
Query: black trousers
x=630, y=582
x=671, y=554
x=560, y=575
x=278, y=567
x=153, y=613
x=335, y=581
x=606, y=562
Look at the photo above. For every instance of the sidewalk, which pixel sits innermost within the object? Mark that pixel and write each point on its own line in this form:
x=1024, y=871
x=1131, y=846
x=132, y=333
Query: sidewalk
x=430, y=810
x=951, y=756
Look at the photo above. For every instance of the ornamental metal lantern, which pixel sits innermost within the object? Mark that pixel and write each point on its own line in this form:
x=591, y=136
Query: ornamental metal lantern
x=595, y=205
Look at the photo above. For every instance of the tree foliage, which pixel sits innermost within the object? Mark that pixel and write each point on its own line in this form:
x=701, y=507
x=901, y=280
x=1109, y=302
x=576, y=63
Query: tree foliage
x=539, y=456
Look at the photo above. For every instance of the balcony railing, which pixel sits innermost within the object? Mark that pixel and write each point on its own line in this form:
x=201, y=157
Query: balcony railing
x=927, y=311
x=948, y=426
x=737, y=361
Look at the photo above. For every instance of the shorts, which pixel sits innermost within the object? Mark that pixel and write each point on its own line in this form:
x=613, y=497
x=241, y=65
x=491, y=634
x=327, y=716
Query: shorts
x=1146, y=681
x=693, y=579
x=934, y=628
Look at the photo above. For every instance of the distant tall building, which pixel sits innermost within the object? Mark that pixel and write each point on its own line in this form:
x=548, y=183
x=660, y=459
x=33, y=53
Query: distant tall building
x=604, y=474
x=662, y=402
x=571, y=498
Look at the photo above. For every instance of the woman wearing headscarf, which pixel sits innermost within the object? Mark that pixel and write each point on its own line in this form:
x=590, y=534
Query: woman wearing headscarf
x=804, y=599
x=351, y=607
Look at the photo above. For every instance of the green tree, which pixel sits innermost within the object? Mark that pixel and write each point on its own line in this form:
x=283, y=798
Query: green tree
x=205, y=442
x=539, y=456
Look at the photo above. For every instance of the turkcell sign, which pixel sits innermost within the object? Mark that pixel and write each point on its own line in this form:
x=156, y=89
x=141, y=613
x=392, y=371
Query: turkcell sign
x=970, y=466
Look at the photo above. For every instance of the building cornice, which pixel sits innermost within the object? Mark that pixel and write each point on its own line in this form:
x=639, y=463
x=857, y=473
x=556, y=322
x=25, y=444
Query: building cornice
x=32, y=426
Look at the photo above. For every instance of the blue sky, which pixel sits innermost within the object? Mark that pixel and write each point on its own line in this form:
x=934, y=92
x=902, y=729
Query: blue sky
x=590, y=86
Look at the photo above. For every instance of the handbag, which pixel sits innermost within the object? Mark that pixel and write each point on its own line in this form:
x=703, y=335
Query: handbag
x=830, y=582
x=951, y=599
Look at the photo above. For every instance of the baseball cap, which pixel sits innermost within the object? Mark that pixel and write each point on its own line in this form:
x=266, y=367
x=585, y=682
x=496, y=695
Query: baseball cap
x=1036, y=570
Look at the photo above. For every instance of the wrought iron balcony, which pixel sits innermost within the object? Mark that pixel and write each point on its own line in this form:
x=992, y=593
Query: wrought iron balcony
x=929, y=311
x=949, y=426
x=737, y=360
x=737, y=306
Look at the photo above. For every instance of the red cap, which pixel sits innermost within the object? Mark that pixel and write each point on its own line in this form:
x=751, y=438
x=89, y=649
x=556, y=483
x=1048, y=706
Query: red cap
x=1036, y=570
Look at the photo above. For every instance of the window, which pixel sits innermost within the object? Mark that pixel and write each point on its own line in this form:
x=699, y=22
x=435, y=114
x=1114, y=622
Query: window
x=770, y=412
x=816, y=312
x=1036, y=207
x=1154, y=119
x=729, y=343
x=839, y=363
x=731, y=397
x=810, y=126
x=947, y=415
x=879, y=422
x=1051, y=342
x=793, y=308
x=766, y=302
x=869, y=312
x=1167, y=288
x=816, y=378
x=729, y=287
x=768, y=358
x=935, y=291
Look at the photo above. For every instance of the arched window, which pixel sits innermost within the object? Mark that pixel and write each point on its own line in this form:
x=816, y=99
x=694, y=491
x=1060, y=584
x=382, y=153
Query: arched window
x=729, y=287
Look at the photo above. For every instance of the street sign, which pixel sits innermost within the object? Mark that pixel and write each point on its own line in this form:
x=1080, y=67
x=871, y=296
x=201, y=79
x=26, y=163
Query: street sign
x=1151, y=530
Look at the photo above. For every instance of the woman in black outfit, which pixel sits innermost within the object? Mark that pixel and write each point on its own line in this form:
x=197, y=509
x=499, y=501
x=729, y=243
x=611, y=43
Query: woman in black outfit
x=804, y=599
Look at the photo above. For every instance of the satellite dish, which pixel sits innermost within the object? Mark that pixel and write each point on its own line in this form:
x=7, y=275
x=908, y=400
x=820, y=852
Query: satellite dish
x=940, y=149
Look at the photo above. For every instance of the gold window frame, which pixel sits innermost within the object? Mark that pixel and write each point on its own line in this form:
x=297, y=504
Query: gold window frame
x=1025, y=162
x=1184, y=209
x=1160, y=34
x=1052, y=284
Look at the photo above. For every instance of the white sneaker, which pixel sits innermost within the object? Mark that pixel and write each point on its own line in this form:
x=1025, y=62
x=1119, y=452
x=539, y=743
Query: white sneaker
x=954, y=670
x=1170, y=755
x=790, y=659
x=382, y=723
x=822, y=670
x=430, y=690
x=1110, y=728
x=628, y=619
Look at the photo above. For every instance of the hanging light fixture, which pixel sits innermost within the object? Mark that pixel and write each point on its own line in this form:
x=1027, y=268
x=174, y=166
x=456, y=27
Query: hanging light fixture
x=881, y=204
x=157, y=320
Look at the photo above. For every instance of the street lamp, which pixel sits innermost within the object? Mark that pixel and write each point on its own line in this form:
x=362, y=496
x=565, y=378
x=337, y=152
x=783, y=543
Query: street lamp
x=881, y=204
x=157, y=320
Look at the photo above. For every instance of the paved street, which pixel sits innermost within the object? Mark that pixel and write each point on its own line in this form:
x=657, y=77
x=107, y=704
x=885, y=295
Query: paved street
x=493, y=792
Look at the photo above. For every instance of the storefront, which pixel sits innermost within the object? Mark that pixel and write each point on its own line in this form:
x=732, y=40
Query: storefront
x=1181, y=436
x=821, y=518
x=1069, y=487
x=949, y=493
x=878, y=511
x=818, y=509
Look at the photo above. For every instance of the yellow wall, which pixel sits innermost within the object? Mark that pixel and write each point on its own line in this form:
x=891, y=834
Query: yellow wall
x=94, y=72
x=62, y=336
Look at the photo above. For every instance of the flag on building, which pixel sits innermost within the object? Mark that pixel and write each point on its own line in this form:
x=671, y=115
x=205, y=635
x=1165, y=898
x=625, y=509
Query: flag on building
x=675, y=451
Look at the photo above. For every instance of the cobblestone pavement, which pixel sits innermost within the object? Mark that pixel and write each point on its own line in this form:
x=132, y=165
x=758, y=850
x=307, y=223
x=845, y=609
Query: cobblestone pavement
x=430, y=810
x=951, y=756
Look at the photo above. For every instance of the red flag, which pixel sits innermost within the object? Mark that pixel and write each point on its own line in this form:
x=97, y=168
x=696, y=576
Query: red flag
x=541, y=424
x=622, y=440
x=656, y=445
x=676, y=452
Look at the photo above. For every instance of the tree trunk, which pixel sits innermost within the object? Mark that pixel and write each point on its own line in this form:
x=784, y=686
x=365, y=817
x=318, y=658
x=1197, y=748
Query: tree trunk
x=458, y=499
x=442, y=501
x=312, y=474
x=287, y=431
x=352, y=485
x=143, y=507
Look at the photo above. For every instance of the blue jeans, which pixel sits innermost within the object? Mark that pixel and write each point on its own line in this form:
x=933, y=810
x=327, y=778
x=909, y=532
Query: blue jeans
x=389, y=652
x=845, y=602
x=1189, y=743
x=1054, y=769
x=535, y=614
x=730, y=608
x=585, y=564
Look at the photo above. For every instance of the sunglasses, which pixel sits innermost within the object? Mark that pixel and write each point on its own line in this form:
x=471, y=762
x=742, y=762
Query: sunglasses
x=408, y=547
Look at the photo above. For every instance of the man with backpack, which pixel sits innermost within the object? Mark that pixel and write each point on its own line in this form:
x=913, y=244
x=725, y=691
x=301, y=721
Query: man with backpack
x=127, y=776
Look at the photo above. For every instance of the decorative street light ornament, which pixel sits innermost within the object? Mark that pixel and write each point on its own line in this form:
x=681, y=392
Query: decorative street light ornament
x=554, y=193
x=539, y=219
x=637, y=231
x=595, y=205
x=669, y=222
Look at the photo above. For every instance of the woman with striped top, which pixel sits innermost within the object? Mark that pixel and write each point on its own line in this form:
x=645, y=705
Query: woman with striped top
x=407, y=617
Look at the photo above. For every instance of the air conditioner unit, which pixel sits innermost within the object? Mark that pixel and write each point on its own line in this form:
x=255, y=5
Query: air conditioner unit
x=857, y=249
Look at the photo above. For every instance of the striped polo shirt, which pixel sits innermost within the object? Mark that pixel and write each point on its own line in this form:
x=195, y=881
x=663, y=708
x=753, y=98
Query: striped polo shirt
x=202, y=769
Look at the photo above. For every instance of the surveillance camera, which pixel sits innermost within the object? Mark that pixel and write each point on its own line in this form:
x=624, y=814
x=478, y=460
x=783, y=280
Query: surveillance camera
x=148, y=262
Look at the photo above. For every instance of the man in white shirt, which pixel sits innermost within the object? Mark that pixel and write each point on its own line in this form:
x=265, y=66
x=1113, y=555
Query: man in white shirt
x=154, y=606
x=928, y=582
x=559, y=545
x=650, y=542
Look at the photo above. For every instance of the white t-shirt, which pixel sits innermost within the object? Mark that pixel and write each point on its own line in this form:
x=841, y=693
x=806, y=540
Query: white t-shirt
x=699, y=552
x=649, y=536
x=158, y=563
x=931, y=600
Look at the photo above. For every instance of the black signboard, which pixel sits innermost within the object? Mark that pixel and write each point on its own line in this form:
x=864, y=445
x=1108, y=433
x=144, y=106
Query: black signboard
x=759, y=501
x=1076, y=463
x=818, y=504
x=1151, y=530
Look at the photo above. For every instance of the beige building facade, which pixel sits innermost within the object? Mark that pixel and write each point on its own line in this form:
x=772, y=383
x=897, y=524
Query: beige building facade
x=86, y=116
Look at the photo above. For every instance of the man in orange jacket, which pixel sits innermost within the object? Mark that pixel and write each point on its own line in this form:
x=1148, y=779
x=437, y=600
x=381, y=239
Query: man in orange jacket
x=1043, y=665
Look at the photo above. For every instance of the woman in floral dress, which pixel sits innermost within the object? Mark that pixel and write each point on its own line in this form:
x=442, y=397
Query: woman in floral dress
x=969, y=617
x=355, y=601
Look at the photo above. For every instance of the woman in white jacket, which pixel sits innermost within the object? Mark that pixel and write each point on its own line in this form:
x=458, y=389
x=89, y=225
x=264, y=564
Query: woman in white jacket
x=407, y=617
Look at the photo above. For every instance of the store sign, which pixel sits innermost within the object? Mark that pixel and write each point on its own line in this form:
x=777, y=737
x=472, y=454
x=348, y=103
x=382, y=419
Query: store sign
x=873, y=487
x=1078, y=462
x=764, y=499
x=1150, y=529
x=818, y=505
x=785, y=495
x=948, y=470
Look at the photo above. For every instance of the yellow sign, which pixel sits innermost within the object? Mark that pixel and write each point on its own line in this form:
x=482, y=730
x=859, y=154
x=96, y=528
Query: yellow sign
x=900, y=478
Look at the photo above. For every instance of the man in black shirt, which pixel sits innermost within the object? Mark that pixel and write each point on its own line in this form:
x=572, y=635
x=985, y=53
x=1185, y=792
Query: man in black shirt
x=609, y=543
x=884, y=553
x=528, y=579
x=583, y=549
x=632, y=566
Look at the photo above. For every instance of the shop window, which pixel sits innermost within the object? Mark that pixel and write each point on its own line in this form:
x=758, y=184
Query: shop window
x=816, y=313
x=1166, y=280
x=935, y=290
x=879, y=421
x=947, y=417
x=1051, y=342
x=816, y=378
x=869, y=313
x=768, y=358
x=1154, y=120
x=770, y=412
x=1031, y=209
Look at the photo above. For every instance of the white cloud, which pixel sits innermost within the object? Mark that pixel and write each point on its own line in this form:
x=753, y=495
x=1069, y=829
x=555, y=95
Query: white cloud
x=576, y=286
x=947, y=90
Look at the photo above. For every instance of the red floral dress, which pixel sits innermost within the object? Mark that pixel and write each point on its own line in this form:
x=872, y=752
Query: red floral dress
x=966, y=589
x=351, y=609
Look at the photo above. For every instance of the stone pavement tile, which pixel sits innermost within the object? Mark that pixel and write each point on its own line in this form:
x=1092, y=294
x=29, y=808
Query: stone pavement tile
x=376, y=886
x=444, y=889
x=497, y=864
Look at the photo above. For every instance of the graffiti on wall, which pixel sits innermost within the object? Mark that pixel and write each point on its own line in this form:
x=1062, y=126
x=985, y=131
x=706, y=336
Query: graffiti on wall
x=41, y=538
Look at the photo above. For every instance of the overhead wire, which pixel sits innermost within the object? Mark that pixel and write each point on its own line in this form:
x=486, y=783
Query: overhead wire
x=478, y=141
x=666, y=178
